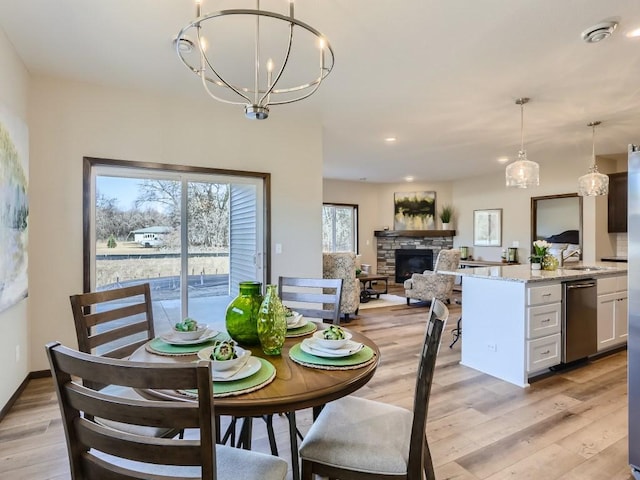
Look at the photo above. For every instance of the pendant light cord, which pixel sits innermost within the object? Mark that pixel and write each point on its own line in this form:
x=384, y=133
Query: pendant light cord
x=593, y=143
x=522, y=127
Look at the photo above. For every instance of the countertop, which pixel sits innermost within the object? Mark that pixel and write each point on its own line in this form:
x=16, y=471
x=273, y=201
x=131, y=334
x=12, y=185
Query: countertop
x=524, y=274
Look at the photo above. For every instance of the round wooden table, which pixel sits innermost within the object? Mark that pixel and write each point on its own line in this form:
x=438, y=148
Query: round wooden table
x=295, y=386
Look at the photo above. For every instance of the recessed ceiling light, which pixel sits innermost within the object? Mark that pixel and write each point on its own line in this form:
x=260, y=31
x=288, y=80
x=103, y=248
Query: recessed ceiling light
x=599, y=32
x=634, y=33
x=390, y=139
x=409, y=178
x=503, y=159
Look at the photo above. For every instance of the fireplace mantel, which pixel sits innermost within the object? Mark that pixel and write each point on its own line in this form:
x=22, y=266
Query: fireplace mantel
x=414, y=233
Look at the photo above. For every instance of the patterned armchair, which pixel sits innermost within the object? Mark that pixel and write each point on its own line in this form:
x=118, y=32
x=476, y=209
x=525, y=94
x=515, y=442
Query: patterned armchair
x=430, y=284
x=343, y=265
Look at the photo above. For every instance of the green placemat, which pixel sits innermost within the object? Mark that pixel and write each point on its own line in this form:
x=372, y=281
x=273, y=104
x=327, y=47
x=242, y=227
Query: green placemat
x=310, y=327
x=160, y=347
x=261, y=378
x=357, y=360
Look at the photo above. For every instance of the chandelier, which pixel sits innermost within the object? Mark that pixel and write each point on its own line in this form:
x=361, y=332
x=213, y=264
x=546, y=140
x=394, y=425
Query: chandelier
x=522, y=173
x=593, y=183
x=249, y=57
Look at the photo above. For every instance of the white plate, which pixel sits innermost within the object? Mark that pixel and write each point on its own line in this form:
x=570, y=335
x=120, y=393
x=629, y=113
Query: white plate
x=349, y=349
x=174, y=340
x=300, y=323
x=252, y=366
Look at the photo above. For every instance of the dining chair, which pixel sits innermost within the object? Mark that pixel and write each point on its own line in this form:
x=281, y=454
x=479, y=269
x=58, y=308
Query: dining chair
x=98, y=452
x=313, y=297
x=358, y=439
x=114, y=323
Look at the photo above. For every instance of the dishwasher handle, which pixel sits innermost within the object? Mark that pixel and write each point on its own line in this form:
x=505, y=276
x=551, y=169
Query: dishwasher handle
x=581, y=285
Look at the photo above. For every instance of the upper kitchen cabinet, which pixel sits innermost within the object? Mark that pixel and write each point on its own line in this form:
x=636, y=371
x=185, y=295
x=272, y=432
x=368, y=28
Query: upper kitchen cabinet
x=617, y=206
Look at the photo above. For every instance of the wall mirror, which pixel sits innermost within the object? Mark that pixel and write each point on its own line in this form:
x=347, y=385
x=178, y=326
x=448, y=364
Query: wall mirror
x=558, y=219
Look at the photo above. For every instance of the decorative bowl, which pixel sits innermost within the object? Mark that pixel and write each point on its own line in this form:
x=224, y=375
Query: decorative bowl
x=242, y=356
x=318, y=339
x=191, y=334
x=293, y=319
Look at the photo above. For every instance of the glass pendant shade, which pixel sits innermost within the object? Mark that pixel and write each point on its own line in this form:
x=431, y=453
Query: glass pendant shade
x=594, y=183
x=522, y=173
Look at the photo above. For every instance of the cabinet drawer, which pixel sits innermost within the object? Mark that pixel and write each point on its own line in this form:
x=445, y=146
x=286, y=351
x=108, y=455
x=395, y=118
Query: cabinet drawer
x=543, y=352
x=544, y=294
x=607, y=285
x=612, y=284
x=544, y=320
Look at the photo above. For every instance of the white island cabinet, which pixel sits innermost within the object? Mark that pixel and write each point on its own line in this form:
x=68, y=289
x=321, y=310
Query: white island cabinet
x=512, y=318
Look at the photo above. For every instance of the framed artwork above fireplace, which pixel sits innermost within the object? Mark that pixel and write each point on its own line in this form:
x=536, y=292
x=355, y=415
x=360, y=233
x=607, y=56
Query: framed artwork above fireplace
x=414, y=210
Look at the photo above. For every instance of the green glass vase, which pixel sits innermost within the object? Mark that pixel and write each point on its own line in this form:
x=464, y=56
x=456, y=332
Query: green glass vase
x=242, y=314
x=272, y=324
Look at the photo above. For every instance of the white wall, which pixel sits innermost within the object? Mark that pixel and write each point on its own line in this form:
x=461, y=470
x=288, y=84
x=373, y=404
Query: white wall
x=73, y=120
x=14, y=325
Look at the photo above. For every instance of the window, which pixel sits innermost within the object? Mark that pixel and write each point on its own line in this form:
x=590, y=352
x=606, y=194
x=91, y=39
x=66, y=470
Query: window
x=192, y=233
x=339, y=228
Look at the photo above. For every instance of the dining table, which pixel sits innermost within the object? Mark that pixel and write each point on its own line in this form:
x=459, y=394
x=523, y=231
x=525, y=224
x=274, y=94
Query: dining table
x=283, y=384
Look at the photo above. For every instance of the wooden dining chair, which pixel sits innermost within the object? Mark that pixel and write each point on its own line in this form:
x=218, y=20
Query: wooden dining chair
x=312, y=297
x=98, y=452
x=358, y=439
x=114, y=323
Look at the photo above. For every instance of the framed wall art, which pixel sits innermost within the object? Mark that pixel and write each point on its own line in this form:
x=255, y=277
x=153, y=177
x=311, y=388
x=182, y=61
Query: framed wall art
x=14, y=208
x=487, y=227
x=414, y=210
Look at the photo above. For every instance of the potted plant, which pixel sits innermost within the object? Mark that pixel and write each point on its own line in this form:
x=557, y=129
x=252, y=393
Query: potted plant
x=540, y=250
x=446, y=212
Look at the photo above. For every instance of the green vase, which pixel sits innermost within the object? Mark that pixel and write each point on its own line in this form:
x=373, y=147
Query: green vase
x=272, y=325
x=242, y=314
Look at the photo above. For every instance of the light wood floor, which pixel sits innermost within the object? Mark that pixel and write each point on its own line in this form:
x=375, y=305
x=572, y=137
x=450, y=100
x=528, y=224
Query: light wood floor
x=571, y=426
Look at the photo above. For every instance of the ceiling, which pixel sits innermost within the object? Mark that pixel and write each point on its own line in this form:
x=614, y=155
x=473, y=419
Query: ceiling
x=441, y=76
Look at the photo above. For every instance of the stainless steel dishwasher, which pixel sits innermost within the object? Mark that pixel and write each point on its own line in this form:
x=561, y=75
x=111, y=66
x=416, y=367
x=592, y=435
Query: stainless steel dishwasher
x=579, y=320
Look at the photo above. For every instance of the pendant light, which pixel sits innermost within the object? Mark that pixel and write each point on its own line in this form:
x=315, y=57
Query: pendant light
x=522, y=173
x=593, y=183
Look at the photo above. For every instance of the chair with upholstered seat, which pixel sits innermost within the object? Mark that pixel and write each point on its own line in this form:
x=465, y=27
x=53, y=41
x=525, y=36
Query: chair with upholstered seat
x=431, y=284
x=358, y=439
x=114, y=323
x=98, y=452
x=343, y=265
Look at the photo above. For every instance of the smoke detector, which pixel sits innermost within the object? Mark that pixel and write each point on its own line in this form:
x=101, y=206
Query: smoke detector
x=599, y=32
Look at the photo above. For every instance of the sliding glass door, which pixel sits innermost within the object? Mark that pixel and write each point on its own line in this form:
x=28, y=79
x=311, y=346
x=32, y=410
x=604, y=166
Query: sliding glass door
x=193, y=235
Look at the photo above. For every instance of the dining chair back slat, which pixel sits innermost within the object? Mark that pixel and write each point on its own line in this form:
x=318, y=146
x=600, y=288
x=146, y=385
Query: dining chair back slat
x=313, y=297
x=98, y=451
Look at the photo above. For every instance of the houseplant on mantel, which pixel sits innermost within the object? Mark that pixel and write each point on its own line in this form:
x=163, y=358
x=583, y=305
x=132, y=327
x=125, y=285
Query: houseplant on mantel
x=446, y=212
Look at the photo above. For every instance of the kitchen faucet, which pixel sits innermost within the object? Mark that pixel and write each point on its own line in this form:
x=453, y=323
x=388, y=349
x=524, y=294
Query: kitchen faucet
x=563, y=257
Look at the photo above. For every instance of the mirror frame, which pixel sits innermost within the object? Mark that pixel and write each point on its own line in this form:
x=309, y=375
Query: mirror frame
x=534, y=215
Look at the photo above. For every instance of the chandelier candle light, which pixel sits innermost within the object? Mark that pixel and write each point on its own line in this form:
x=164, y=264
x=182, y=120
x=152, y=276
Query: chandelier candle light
x=593, y=183
x=522, y=173
x=248, y=57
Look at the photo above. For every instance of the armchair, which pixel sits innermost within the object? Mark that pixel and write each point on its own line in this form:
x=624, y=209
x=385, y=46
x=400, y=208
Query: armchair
x=430, y=284
x=343, y=265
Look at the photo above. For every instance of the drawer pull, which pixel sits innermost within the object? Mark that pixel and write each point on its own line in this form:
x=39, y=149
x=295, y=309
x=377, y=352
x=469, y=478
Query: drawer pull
x=546, y=320
x=546, y=352
x=546, y=294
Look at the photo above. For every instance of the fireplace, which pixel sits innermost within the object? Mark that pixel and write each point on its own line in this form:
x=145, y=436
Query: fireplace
x=412, y=260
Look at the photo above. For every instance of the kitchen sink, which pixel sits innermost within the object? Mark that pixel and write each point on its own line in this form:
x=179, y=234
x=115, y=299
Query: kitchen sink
x=586, y=268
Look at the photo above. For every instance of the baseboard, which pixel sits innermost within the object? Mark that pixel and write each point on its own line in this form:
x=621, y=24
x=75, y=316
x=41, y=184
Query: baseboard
x=23, y=385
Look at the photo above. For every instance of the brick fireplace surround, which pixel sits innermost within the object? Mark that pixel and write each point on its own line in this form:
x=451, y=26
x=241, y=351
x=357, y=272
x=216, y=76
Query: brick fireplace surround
x=388, y=241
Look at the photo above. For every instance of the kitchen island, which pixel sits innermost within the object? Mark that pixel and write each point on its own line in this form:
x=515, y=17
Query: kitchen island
x=512, y=316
